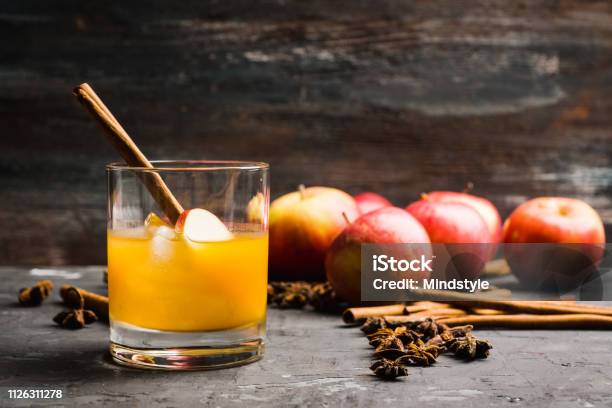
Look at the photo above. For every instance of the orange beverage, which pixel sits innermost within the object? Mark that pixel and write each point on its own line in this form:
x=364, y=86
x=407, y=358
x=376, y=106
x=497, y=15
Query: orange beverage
x=187, y=275
x=159, y=279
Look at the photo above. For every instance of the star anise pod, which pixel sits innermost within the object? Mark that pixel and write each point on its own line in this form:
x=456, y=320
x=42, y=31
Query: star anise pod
x=271, y=292
x=390, y=342
x=390, y=353
x=380, y=333
x=35, y=295
x=442, y=339
x=388, y=369
x=429, y=328
x=291, y=295
x=324, y=299
x=276, y=288
x=419, y=354
x=385, y=339
x=75, y=318
x=373, y=324
x=291, y=300
x=469, y=347
x=402, y=333
x=406, y=335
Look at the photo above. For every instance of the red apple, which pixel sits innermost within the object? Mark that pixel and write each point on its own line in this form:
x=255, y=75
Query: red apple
x=553, y=221
x=485, y=208
x=303, y=225
x=389, y=225
x=463, y=231
x=368, y=202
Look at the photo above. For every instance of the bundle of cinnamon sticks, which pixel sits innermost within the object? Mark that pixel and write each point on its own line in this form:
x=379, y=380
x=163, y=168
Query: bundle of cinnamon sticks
x=482, y=313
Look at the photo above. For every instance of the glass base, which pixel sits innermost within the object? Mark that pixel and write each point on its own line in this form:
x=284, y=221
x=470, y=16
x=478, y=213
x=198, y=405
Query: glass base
x=153, y=349
x=187, y=358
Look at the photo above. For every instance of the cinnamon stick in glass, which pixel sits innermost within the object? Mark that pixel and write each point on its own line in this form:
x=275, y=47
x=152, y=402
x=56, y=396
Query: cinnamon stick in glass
x=126, y=147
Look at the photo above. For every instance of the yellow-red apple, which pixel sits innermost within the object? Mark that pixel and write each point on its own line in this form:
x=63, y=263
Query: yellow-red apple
x=369, y=201
x=256, y=209
x=303, y=225
x=389, y=225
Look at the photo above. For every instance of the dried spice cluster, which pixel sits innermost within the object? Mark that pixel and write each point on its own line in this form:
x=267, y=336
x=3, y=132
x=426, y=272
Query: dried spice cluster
x=297, y=295
x=76, y=317
x=397, y=344
x=36, y=294
x=418, y=343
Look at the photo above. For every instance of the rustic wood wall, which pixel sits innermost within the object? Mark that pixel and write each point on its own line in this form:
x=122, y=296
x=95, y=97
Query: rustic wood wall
x=393, y=96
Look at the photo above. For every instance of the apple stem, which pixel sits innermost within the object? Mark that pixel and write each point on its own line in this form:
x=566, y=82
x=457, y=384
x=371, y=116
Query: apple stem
x=346, y=218
x=302, y=190
x=469, y=186
x=424, y=196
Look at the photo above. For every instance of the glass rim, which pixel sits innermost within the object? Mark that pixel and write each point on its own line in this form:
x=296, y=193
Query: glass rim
x=192, y=165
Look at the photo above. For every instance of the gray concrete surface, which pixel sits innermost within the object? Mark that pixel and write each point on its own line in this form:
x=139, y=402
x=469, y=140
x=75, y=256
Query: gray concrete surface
x=311, y=360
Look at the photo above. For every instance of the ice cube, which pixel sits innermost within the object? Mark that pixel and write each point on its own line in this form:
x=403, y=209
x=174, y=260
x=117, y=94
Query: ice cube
x=163, y=244
x=165, y=232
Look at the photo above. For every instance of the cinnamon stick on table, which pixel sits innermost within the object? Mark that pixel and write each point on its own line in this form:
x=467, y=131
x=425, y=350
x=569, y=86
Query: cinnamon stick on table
x=530, y=321
x=535, y=307
x=126, y=147
x=434, y=313
x=359, y=314
x=417, y=307
x=438, y=295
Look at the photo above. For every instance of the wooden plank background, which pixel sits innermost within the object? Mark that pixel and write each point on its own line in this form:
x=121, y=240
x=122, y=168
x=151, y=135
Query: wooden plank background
x=393, y=96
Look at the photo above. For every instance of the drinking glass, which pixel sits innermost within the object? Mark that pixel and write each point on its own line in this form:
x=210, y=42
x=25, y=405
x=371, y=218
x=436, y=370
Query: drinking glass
x=189, y=295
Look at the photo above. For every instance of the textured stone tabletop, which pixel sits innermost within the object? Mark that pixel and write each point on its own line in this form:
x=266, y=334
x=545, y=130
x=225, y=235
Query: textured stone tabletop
x=311, y=360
